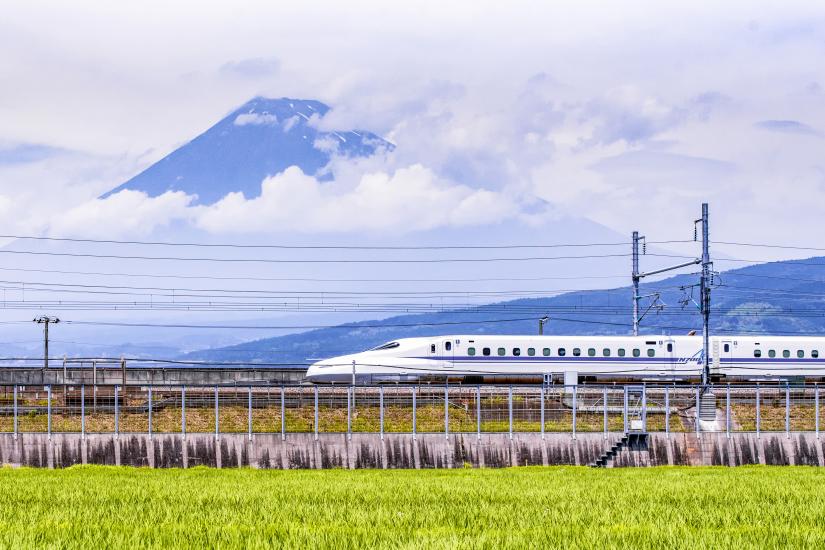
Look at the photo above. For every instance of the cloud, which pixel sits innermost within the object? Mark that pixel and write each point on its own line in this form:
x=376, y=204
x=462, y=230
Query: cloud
x=787, y=127
x=252, y=68
x=21, y=153
x=259, y=119
x=407, y=200
x=125, y=213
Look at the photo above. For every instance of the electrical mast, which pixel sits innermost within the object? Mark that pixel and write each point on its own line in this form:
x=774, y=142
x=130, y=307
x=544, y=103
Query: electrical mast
x=45, y=321
x=704, y=286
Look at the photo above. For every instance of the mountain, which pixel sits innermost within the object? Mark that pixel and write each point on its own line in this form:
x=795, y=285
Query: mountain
x=261, y=138
x=773, y=298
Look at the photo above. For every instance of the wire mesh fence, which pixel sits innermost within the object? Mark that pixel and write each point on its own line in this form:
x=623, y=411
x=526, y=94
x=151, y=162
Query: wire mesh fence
x=407, y=409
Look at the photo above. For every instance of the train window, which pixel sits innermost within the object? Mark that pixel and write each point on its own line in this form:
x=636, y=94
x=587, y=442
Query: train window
x=636, y=352
x=502, y=351
x=800, y=353
x=448, y=346
x=771, y=353
x=546, y=352
x=577, y=352
x=814, y=353
x=516, y=351
x=562, y=352
x=389, y=345
x=606, y=352
x=727, y=348
x=471, y=351
x=651, y=352
x=485, y=351
x=621, y=352
x=591, y=352
x=432, y=348
x=669, y=347
x=786, y=353
x=757, y=353
x=531, y=351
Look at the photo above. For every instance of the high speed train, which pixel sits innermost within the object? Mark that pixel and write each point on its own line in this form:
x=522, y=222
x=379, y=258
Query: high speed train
x=574, y=359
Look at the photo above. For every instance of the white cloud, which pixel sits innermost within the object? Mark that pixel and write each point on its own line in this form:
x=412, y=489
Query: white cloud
x=259, y=119
x=124, y=213
x=407, y=200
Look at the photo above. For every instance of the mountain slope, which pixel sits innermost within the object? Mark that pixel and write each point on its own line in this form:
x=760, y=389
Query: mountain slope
x=773, y=298
x=261, y=138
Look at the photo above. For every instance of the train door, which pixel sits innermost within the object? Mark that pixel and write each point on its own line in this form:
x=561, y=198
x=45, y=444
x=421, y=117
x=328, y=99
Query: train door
x=448, y=353
x=670, y=357
x=726, y=354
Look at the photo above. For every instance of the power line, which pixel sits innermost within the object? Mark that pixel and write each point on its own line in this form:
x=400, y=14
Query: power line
x=327, y=247
x=311, y=261
x=308, y=279
x=288, y=327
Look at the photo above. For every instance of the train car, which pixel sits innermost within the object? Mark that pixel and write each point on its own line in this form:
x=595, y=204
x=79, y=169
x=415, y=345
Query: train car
x=575, y=359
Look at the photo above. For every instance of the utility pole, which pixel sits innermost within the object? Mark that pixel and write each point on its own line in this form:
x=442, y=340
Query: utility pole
x=543, y=321
x=45, y=321
x=704, y=286
x=636, y=279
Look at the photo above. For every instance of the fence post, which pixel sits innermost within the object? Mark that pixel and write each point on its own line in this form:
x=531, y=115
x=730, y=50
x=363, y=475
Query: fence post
x=510, y=410
x=758, y=412
x=604, y=398
x=727, y=411
x=575, y=399
x=117, y=412
x=217, y=414
x=49, y=409
x=82, y=411
x=816, y=409
x=541, y=394
x=381, y=410
x=478, y=413
x=667, y=412
x=415, y=391
x=15, y=411
x=315, y=423
x=447, y=411
x=787, y=410
x=183, y=411
x=349, y=413
x=150, y=411
x=696, y=419
x=624, y=409
x=283, y=416
x=249, y=413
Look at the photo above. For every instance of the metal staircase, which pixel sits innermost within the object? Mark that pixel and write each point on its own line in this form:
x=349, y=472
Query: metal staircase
x=707, y=407
x=630, y=442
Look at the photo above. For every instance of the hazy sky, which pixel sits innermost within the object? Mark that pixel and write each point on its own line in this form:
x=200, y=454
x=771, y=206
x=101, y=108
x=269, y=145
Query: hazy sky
x=630, y=117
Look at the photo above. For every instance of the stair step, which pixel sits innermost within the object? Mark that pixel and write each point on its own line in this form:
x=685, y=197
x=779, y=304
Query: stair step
x=707, y=407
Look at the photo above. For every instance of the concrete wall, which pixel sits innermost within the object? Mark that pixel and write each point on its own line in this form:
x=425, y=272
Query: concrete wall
x=401, y=450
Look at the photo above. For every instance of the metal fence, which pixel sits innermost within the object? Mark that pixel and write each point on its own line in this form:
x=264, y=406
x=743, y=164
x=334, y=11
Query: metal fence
x=418, y=409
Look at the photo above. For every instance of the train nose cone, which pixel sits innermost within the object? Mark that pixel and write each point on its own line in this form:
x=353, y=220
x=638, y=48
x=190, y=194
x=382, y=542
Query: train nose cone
x=329, y=371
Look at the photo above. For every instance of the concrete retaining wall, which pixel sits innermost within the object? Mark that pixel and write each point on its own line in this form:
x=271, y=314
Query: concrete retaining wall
x=401, y=450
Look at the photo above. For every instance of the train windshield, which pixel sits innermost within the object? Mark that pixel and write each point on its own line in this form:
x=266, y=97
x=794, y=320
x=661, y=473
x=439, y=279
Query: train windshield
x=388, y=345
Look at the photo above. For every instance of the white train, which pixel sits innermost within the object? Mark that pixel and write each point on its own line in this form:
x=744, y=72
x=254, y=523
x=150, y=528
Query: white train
x=572, y=359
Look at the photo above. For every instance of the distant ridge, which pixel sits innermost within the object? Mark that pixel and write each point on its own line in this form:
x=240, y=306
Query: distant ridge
x=261, y=138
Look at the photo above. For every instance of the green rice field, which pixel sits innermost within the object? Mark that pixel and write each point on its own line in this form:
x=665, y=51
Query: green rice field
x=562, y=507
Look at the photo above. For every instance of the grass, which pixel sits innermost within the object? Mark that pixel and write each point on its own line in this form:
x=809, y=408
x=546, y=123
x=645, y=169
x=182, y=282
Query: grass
x=564, y=507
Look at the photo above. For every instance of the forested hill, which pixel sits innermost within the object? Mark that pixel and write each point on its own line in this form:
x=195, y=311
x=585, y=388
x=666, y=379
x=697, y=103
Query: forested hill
x=773, y=298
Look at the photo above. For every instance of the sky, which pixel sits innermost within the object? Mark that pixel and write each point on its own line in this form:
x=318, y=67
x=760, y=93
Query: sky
x=628, y=117
x=616, y=115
